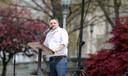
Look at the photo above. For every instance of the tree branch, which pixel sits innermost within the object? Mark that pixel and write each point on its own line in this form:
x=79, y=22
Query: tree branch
x=105, y=13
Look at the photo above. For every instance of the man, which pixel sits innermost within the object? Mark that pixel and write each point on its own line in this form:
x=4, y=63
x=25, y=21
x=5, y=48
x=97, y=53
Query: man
x=57, y=41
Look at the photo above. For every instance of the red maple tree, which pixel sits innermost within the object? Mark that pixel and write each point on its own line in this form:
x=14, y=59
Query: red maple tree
x=111, y=62
x=16, y=32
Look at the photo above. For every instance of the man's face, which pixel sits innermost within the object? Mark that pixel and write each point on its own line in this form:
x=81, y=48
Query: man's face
x=54, y=23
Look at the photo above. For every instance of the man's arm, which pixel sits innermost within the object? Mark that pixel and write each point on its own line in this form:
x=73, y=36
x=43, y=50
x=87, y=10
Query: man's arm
x=60, y=47
x=64, y=41
x=44, y=48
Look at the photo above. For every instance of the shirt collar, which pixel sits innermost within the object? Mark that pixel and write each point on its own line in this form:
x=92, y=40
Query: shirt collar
x=57, y=29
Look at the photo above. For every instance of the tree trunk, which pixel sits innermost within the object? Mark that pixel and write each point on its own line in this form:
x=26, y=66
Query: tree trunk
x=4, y=70
x=5, y=62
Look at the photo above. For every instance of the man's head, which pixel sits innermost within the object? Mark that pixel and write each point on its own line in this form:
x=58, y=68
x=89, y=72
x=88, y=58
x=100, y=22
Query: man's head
x=54, y=23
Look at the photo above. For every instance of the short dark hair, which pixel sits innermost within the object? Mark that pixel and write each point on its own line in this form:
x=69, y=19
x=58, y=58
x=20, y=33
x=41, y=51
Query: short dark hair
x=55, y=19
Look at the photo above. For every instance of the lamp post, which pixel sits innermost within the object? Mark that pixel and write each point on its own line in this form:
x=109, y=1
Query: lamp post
x=64, y=6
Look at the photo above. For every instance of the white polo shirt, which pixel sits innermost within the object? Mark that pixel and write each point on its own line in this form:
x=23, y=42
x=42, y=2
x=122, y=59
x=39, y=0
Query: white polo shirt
x=56, y=37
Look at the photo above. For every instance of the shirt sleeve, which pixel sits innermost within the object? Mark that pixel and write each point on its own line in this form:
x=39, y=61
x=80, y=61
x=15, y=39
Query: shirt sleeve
x=64, y=37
